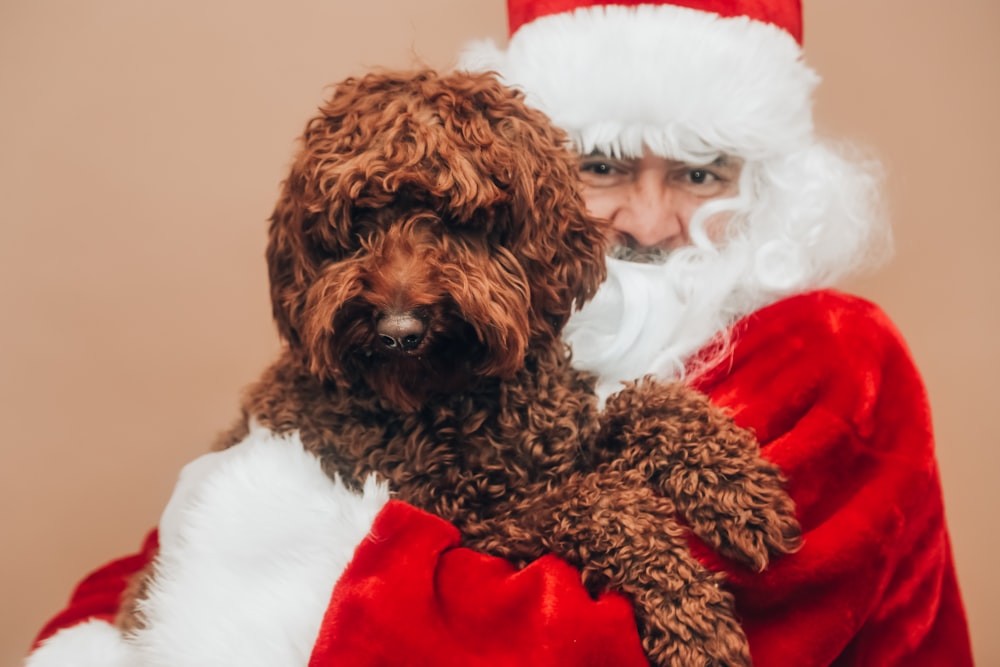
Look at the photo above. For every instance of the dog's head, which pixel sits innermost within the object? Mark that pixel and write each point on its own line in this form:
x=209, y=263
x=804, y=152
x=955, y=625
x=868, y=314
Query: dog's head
x=430, y=232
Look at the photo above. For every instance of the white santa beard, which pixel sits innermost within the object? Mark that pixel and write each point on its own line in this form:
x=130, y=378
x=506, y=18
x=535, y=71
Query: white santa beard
x=650, y=318
x=626, y=325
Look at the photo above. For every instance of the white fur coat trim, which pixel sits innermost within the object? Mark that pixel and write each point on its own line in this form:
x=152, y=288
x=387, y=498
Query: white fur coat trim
x=90, y=644
x=252, y=542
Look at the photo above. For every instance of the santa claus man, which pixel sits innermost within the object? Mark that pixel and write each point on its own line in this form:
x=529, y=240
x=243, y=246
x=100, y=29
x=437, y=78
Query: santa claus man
x=732, y=220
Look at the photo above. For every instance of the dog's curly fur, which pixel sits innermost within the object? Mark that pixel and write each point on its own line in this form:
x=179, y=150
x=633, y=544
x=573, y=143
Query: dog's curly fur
x=425, y=253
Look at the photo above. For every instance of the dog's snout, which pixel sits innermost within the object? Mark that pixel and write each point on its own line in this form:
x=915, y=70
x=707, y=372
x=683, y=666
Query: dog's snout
x=401, y=331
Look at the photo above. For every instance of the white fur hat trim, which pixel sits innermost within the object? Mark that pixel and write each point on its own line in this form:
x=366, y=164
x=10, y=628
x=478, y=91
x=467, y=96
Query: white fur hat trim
x=709, y=84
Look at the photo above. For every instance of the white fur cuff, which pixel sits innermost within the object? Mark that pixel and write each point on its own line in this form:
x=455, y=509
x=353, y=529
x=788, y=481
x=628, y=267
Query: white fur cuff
x=91, y=644
x=256, y=538
x=252, y=543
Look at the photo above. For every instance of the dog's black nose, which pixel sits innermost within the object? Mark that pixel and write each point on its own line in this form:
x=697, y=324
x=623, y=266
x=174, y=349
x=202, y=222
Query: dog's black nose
x=401, y=331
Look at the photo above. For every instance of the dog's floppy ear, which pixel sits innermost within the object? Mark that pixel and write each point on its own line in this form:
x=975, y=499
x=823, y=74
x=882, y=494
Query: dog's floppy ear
x=311, y=220
x=560, y=238
x=561, y=246
x=301, y=233
x=288, y=271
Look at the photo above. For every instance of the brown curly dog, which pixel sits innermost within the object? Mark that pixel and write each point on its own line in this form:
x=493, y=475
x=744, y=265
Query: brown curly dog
x=425, y=253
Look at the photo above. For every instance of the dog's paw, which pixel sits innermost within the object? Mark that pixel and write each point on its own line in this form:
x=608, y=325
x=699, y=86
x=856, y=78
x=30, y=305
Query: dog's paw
x=695, y=626
x=692, y=452
x=686, y=617
x=624, y=536
x=745, y=515
x=732, y=498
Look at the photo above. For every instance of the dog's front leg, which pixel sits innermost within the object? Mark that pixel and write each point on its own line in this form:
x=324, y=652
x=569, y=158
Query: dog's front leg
x=623, y=536
x=693, y=452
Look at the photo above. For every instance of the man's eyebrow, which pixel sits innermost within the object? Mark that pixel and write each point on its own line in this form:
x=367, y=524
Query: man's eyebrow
x=725, y=161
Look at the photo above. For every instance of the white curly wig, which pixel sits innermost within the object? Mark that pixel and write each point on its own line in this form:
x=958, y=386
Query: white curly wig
x=691, y=85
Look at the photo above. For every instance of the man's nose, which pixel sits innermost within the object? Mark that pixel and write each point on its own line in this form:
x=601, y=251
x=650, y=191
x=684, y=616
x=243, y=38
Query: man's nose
x=652, y=216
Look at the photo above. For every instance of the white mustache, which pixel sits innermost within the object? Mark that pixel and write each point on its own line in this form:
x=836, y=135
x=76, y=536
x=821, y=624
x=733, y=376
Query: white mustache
x=621, y=332
x=639, y=255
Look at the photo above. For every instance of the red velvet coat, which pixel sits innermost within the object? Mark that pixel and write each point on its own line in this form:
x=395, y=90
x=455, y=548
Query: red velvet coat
x=828, y=386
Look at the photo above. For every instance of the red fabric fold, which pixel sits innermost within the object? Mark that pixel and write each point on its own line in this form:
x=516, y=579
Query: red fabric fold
x=98, y=596
x=412, y=596
x=829, y=387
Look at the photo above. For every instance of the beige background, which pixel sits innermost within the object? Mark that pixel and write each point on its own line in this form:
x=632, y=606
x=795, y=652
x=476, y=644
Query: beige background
x=141, y=145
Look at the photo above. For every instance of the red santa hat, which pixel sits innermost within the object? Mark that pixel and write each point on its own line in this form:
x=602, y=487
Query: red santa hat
x=687, y=78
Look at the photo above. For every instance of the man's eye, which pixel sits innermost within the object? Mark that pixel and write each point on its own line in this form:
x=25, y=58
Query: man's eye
x=701, y=176
x=600, y=171
x=599, y=168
